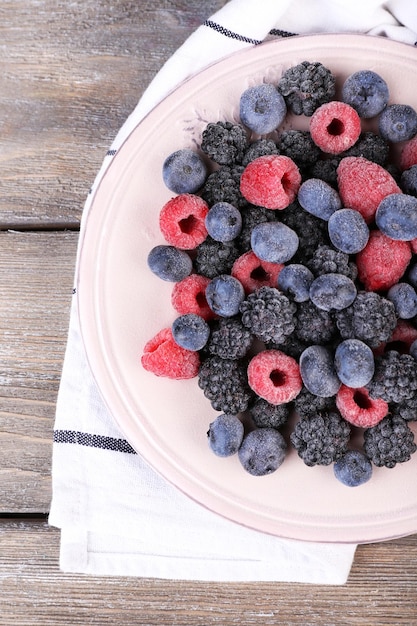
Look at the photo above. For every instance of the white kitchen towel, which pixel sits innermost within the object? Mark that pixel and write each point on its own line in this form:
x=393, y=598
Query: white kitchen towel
x=116, y=515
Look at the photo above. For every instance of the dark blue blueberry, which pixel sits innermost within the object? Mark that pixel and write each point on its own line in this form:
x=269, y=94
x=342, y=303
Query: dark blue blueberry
x=396, y=216
x=348, y=231
x=169, y=263
x=319, y=198
x=354, y=363
x=398, y=122
x=318, y=372
x=295, y=281
x=274, y=242
x=225, y=435
x=413, y=350
x=262, y=451
x=331, y=292
x=262, y=108
x=366, y=92
x=404, y=298
x=223, y=222
x=408, y=181
x=353, y=468
x=412, y=275
x=190, y=331
x=224, y=295
x=184, y=171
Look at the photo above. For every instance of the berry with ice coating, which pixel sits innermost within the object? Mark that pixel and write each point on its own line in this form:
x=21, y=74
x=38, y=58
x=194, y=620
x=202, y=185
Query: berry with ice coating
x=189, y=296
x=408, y=181
x=254, y=273
x=224, y=295
x=274, y=376
x=311, y=231
x=295, y=281
x=223, y=185
x=370, y=146
x=321, y=439
x=404, y=297
x=215, y=257
x=225, y=384
x=367, y=92
x=190, y=331
x=353, y=469
x=299, y=146
x=269, y=314
x=274, y=242
x=271, y=181
x=306, y=86
x=262, y=108
x=389, y=442
x=223, y=222
x=395, y=377
x=229, y=339
x=358, y=408
x=319, y=198
x=398, y=122
x=313, y=325
x=382, y=262
x=348, y=231
x=224, y=143
x=354, y=363
x=182, y=221
x=327, y=260
x=371, y=318
x=164, y=357
x=396, y=216
x=267, y=415
x=262, y=451
x=184, y=171
x=169, y=263
x=307, y=404
x=335, y=127
x=318, y=372
x=259, y=147
x=225, y=435
x=332, y=292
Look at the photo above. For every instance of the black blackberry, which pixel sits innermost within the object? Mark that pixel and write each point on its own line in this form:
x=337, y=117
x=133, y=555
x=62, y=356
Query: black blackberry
x=225, y=143
x=266, y=415
x=299, y=146
x=306, y=86
x=223, y=185
x=328, y=260
x=260, y=147
x=395, y=377
x=292, y=345
x=326, y=169
x=268, y=314
x=321, y=439
x=214, y=257
x=312, y=231
x=224, y=382
x=251, y=216
x=307, y=404
x=313, y=325
x=390, y=442
x=370, y=146
x=370, y=318
x=229, y=339
x=407, y=409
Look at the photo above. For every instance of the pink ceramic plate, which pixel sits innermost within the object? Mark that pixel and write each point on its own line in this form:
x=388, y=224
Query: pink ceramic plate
x=122, y=305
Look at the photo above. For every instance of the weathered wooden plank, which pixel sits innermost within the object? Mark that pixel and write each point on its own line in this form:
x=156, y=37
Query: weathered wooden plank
x=381, y=591
x=37, y=271
x=71, y=72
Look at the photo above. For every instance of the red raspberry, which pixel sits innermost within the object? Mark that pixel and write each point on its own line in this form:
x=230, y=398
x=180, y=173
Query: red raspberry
x=408, y=156
x=163, y=357
x=335, y=127
x=182, y=221
x=363, y=184
x=254, y=273
x=274, y=376
x=382, y=262
x=271, y=181
x=358, y=408
x=189, y=296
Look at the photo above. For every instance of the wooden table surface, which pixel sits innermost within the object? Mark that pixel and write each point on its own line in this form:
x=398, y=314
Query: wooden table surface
x=71, y=72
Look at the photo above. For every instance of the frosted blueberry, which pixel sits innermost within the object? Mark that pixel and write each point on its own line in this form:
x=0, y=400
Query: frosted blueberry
x=190, y=331
x=295, y=281
x=408, y=181
x=224, y=295
x=262, y=451
x=184, y=171
x=413, y=350
x=367, y=92
x=225, y=435
x=404, y=298
x=331, y=292
x=396, y=216
x=223, y=222
x=318, y=371
x=398, y=122
x=354, y=363
x=169, y=263
x=348, y=231
x=353, y=468
x=262, y=108
x=274, y=242
x=319, y=198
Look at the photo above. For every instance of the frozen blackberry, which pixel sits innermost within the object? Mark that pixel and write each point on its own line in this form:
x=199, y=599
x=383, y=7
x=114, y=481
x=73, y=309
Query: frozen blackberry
x=326, y=169
x=292, y=346
x=307, y=86
x=395, y=378
x=266, y=415
x=269, y=314
x=224, y=382
x=225, y=143
x=311, y=231
x=370, y=318
x=215, y=257
x=306, y=404
x=251, y=217
x=390, y=442
x=229, y=339
x=321, y=439
x=370, y=146
x=407, y=409
x=328, y=260
x=299, y=146
x=258, y=148
x=223, y=185
x=314, y=325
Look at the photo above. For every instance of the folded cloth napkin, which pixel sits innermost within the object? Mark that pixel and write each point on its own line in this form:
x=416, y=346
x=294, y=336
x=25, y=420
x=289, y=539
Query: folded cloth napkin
x=116, y=515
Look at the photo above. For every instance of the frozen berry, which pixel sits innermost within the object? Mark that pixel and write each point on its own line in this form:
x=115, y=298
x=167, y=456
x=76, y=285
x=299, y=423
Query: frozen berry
x=390, y=442
x=321, y=439
x=262, y=108
x=184, y=171
x=398, y=122
x=335, y=127
x=270, y=181
x=332, y=292
x=225, y=143
x=382, y=262
x=274, y=242
x=224, y=295
x=299, y=146
x=354, y=363
x=190, y=331
x=254, y=273
x=348, y=231
x=182, y=221
x=164, y=357
x=212, y=257
x=268, y=314
x=225, y=435
x=169, y=263
x=396, y=216
x=259, y=147
x=358, y=408
x=318, y=372
x=262, y=451
x=295, y=281
x=408, y=181
x=189, y=296
x=404, y=297
x=223, y=222
x=367, y=92
x=408, y=155
x=267, y=415
x=306, y=86
x=353, y=468
x=274, y=376
x=319, y=198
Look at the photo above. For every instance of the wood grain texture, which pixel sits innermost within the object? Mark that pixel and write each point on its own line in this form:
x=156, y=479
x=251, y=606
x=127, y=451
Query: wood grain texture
x=381, y=591
x=71, y=74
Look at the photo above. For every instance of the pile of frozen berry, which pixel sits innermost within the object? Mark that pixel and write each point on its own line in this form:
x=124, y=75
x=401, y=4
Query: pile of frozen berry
x=295, y=281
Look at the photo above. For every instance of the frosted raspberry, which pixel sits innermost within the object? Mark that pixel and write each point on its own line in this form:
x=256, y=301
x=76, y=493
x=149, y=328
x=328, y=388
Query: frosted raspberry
x=182, y=221
x=363, y=184
x=335, y=127
x=271, y=181
x=254, y=273
x=358, y=408
x=189, y=296
x=382, y=262
x=163, y=357
x=274, y=376
x=408, y=156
